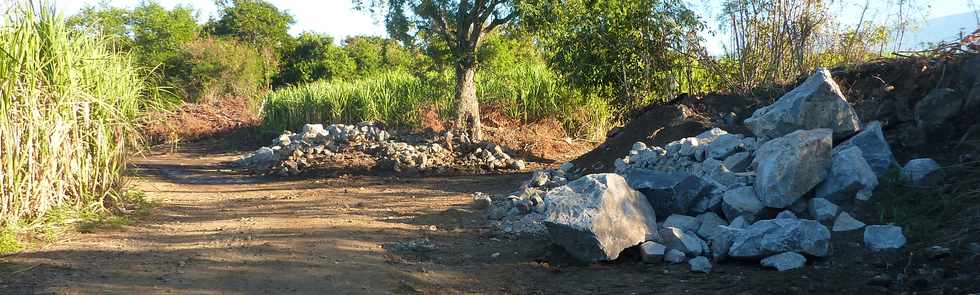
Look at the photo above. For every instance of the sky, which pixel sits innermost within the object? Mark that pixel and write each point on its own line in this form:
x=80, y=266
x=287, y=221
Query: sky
x=337, y=18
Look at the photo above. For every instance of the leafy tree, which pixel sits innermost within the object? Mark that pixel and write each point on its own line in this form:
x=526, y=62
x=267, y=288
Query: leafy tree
x=634, y=47
x=213, y=67
x=160, y=34
x=315, y=57
x=373, y=54
x=254, y=22
x=112, y=22
x=462, y=25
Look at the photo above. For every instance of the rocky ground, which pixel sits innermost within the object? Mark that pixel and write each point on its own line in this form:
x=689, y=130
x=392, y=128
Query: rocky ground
x=215, y=232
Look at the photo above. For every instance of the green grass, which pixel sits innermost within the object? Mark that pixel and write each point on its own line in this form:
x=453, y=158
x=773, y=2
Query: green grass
x=527, y=93
x=68, y=111
x=932, y=215
x=8, y=241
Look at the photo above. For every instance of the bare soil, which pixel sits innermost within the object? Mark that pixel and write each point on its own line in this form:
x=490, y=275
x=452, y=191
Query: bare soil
x=217, y=232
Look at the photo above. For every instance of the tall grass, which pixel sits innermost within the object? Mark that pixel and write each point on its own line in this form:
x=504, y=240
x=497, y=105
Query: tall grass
x=392, y=97
x=67, y=110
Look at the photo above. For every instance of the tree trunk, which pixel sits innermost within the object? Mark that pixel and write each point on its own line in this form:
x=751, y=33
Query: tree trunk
x=467, y=106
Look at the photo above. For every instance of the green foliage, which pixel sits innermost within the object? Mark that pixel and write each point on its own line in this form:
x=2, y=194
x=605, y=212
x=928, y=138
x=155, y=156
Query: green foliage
x=376, y=54
x=315, y=57
x=8, y=241
x=391, y=97
x=254, y=22
x=214, y=67
x=105, y=20
x=68, y=107
x=159, y=34
x=633, y=47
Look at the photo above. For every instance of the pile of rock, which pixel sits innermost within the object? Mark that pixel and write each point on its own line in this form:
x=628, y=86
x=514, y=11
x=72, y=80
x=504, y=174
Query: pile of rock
x=293, y=153
x=770, y=196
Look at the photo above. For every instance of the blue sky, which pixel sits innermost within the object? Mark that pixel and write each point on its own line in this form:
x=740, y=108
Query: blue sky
x=338, y=18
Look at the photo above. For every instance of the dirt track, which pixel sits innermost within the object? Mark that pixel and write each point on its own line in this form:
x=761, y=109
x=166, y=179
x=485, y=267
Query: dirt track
x=220, y=233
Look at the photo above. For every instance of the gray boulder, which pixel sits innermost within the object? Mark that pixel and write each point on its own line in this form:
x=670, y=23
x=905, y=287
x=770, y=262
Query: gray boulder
x=790, y=166
x=669, y=192
x=817, y=103
x=938, y=107
x=597, y=216
x=846, y=222
x=883, y=237
x=684, y=241
x=700, y=264
x=675, y=256
x=874, y=148
x=724, y=146
x=786, y=214
x=683, y=222
x=823, y=210
x=850, y=177
x=721, y=241
x=922, y=172
x=710, y=225
x=652, y=252
x=739, y=222
x=738, y=162
x=785, y=261
x=741, y=202
x=774, y=236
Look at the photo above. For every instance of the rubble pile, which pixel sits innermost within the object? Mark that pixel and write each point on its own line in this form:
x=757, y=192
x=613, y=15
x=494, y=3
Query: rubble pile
x=775, y=195
x=292, y=153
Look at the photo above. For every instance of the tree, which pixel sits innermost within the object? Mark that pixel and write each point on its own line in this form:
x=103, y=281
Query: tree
x=159, y=34
x=460, y=23
x=634, y=48
x=254, y=22
x=111, y=22
x=374, y=54
x=314, y=57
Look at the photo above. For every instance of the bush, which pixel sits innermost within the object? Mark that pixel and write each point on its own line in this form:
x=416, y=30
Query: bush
x=209, y=68
x=68, y=107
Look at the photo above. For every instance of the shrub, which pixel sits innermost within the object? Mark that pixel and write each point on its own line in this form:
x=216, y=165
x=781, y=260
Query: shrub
x=67, y=110
x=213, y=67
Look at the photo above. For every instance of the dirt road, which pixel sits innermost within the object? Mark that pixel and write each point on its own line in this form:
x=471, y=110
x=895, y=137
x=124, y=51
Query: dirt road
x=219, y=233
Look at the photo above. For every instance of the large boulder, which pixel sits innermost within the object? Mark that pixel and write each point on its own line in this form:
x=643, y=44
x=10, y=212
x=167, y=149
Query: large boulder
x=792, y=165
x=874, y=148
x=741, y=202
x=923, y=172
x=817, y=103
x=597, y=216
x=850, y=176
x=681, y=240
x=669, y=192
x=774, y=236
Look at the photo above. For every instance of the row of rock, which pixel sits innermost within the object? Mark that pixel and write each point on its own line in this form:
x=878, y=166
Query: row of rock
x=292, y=153
x=721, y=192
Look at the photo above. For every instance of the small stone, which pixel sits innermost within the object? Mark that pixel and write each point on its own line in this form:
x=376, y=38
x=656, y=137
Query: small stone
x=683, y=222
x=652, y=252
x=495, y=255
x=481, y=201
x=785, y=261
x=639, y=146
x=922, y=172
x=846, y=222
x=700, y=264
x=539, y=178
x=883, y=237
x=823, y=210
x=675, y=256
x=882, y=280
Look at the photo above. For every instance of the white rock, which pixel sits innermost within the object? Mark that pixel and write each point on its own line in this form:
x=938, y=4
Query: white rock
x=652, y=252
x=823, y=210
x=683, y=222
x=639, y=146
x=790, y=166
x=846, y=222
x=597, y=216
x=725, y=146
x=874, y=148
x=710, y=135
x=710, y=223
x=922, y=172
x=677, y=239
x=817, y=103
x=785, y=261
x=741, y=202
x=675, y=256
x=767, y=237
x=700, y=264
x=883, y=237
x=850, y=176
